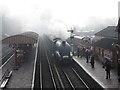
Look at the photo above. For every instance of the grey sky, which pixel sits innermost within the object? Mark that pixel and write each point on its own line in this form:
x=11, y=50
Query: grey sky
x=56, y=16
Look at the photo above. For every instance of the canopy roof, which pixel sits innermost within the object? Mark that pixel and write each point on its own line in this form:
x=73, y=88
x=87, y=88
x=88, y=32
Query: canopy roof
x=23, y=38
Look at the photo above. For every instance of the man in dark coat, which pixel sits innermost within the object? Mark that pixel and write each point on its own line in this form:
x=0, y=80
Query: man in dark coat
x=92, y=61
x=87, y=55
x=78, y=51
x=107, y=69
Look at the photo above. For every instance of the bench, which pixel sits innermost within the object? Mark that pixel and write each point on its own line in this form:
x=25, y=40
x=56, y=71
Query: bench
x=9, y=75
x=4, y=83
x=5, y=78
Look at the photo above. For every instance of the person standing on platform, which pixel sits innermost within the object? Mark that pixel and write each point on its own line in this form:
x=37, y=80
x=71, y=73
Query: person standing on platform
x=87, y=56
x=81, y=52
x=107, y=69
x=92, y=61
x=118, y=70
x=78, y=51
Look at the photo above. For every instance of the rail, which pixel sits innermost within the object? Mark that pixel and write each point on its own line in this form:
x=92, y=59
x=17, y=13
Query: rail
x=55, y=74
x=55, y=86
x=59, y=77
x=40, y=76
x=81, y=79
x=41, y=83
x=69, y=80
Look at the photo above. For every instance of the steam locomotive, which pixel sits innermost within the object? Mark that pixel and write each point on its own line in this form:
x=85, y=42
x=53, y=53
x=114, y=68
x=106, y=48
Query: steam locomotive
x=62, y=51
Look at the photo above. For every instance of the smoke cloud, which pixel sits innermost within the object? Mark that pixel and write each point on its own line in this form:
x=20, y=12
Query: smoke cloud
x=56, y=17
x=95, y=24
x=10, y=25
x=44, y=23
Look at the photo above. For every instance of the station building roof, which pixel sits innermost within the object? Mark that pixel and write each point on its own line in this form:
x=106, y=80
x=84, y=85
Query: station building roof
x=23, y=38
x=105, y=43
x=108, y=32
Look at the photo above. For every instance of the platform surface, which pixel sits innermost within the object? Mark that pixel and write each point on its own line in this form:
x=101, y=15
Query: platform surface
x=98, y=73
x=22, y=78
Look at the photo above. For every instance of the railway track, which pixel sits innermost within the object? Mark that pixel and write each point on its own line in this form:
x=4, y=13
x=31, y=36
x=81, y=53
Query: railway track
x=51, y=75
x=57, y=82
x=75, y=79
x=47, y=80
x=83, y=77
x=43, y=74
x=64, y=82
x=67, y=77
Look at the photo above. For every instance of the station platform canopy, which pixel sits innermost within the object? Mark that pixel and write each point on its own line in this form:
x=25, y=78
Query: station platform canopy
x=23, y=38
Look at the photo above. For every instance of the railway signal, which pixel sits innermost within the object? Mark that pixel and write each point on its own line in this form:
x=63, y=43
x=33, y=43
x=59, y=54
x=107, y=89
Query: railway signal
x=70, y=31
x=71, y=37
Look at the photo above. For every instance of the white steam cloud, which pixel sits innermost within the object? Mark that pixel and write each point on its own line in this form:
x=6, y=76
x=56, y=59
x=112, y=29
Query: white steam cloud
x=55, y=17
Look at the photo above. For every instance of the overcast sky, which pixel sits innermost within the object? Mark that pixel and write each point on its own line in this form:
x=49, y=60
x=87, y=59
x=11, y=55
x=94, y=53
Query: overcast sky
x=60, y=15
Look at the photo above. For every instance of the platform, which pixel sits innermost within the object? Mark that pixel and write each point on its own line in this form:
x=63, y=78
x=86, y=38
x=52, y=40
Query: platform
x=22, y=78
x=99, y=75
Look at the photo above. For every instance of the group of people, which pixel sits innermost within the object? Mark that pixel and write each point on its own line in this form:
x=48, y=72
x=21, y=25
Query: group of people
x=87, y=53
x=90, y=57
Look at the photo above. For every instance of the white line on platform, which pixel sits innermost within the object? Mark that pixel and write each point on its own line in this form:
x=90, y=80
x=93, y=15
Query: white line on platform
x=33, y=78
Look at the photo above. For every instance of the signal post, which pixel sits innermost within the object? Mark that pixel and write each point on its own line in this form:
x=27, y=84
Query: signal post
x=72, y=38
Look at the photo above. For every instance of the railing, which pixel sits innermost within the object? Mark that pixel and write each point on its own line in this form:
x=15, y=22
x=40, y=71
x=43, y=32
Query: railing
x=5, y=78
